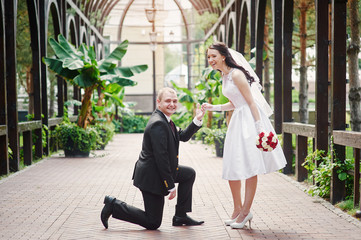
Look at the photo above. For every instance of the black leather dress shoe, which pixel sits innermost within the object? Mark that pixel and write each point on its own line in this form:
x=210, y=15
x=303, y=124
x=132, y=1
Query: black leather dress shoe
x=107, y=210
x=180, y=221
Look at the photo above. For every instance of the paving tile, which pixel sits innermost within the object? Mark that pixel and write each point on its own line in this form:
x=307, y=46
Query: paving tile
x=61, y=198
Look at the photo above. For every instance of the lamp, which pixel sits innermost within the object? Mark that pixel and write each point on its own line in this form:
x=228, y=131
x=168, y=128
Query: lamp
x=153, y=46
x=153, y=36
x=150, y=13
x=171, y=35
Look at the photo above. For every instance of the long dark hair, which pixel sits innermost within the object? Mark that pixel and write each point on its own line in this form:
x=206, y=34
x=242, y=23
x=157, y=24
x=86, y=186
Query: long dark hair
x=223, y=50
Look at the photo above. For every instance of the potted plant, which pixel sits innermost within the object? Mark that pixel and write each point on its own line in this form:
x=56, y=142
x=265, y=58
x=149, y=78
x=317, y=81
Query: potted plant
x=81, y=68
x=105, y=132
x=215, y=136
x=74, y=140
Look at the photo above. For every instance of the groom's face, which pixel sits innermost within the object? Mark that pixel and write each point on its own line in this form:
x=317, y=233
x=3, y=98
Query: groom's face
x=168, y=103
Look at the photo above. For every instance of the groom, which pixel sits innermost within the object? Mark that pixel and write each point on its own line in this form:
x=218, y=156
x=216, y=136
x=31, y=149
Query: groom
x=157, y=170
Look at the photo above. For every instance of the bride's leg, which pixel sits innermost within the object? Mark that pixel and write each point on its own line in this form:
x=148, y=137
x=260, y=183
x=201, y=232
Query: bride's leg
x=236, y=195
x=251, y=186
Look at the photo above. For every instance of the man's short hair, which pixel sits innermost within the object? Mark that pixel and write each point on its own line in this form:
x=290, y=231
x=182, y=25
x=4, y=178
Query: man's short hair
x=163, y=90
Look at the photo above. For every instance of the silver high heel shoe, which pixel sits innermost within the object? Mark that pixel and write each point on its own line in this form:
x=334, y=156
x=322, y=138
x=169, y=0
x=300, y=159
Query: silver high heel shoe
x=245, y=220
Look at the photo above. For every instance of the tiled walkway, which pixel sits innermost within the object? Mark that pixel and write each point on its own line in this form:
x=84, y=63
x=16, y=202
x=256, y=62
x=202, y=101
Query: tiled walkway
x=61, y=198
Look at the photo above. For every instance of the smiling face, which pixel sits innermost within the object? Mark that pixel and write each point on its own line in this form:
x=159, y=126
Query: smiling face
x=215, y=59
x=167, y=102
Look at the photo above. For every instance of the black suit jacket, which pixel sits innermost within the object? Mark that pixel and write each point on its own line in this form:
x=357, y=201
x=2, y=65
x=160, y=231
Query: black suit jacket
x=157, y=165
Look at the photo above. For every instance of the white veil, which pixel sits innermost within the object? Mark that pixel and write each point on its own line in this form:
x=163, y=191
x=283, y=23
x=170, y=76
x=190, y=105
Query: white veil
x=255, y=86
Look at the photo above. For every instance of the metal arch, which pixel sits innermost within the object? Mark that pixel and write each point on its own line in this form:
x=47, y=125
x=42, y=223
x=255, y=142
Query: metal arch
x=93, y=42
x=84, y=19
x=35, y=70
x=100, y=51
x=71, y=25
x=83, y=35
x=210, y=6
x=221, y=33
x=53, y=7
x=110, y=6
x=88, y=7
x=231, y=22
x=205, y=6
x=242, y=27
x=220, y=19
x=184, y=17
x=107, y=10
x=195, y=5
x=123, y=17
x=94, y=7
x=202, y=6
x=101, y=4
x=131, y=2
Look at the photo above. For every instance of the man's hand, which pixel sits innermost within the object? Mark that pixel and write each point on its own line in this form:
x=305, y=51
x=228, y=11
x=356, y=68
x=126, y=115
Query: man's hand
x=172, y=194
x=200, y=112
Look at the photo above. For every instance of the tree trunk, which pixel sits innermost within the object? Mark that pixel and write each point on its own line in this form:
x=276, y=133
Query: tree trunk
x=303, y=94
x=84, y=114
x=266, y=82
x=100, y=100
x=353, y=49
x=30, y=89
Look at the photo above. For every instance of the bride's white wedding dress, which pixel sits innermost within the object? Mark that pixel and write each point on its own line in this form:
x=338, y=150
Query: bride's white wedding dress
x=241, y=158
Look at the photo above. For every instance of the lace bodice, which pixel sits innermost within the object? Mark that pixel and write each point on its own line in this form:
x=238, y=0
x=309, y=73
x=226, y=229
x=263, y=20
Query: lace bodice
x=231, y=91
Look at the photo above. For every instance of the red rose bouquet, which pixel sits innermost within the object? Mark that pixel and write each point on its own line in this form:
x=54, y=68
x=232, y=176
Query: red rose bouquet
x=266, y=141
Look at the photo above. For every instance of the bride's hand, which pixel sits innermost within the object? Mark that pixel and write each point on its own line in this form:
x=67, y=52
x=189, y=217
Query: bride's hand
x=210, y=107
x=207, y=106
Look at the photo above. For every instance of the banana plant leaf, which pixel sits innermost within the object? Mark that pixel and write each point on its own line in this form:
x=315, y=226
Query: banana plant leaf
x=59, y=50
x=56, y=66
x=130, y=71
x=123, y=81
x=118, y=53
x=115, y=98
x=73, y=64
x=112, y=88
x=68, y=47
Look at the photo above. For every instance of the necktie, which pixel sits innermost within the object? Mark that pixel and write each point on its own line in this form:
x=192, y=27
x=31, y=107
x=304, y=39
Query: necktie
x=172, y=126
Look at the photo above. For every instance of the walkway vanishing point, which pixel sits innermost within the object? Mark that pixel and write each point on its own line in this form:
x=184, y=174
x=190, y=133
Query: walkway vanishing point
x=61, y=198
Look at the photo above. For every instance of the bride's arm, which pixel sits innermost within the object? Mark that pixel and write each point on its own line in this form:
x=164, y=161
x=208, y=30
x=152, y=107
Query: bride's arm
x=221, y=107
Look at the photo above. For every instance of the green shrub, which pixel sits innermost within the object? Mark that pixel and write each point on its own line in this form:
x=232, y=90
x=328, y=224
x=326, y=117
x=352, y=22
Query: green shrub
x=323, y=172
x=105, y=133
x=134, y=123
x=74, y=138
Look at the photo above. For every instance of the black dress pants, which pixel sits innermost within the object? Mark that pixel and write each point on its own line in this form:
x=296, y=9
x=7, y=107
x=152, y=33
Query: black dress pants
x=151, y=217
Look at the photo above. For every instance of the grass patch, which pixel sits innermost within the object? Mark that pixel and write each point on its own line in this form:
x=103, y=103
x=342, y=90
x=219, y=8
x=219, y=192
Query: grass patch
x=347, y=206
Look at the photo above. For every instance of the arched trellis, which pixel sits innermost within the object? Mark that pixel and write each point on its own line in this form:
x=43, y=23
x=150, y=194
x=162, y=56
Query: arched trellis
x=221, y=36
x=83, y=35
x=251, y=11
x=242, y=24
x=71, y=30
x=93, y=42
x=72, y=34
x=231, y=30
x=10, y=128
